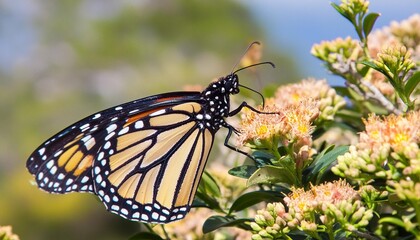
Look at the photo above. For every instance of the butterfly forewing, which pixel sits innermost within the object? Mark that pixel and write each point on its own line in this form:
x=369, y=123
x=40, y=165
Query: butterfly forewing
x=64, y=162
x=144, y=159
x=150, y=168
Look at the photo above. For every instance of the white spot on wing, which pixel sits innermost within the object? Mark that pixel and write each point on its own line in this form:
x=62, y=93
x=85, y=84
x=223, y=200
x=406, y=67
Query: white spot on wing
x=111, y=128
x=109, y=136
x=58, y=153
x=69, y=181
x=155, y=216
x=123, y=131
x=53, y=170
x=90, y=143
x=98, y=115
x=124, y=211
x=85, y=179
x=50, y=164
x=139, y=124
x=41, y=151
x=115, y=207
x=85, y=139
x=98, y=179
x=40, y=175
x=162, y=111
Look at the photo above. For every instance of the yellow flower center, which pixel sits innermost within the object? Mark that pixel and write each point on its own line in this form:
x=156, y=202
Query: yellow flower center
x=400, y=138
x=262, y=130
x=295, y=97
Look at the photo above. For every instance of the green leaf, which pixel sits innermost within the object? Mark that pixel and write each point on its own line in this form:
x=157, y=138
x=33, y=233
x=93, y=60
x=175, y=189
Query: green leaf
x=262, y=157
x=371, y=65
x=208, y=200
x=349, y=114
x=214, y=222
x=392, y=220
x=375, y=108
x=271, y=174
x=244, y=171
x=339, y=10
x=208, y=185
x=363, y=71
x=145, y=236
x=368, y=23
x=324, y=160
x=252, y=198
x=198, y=202
x=342, y=90
x=377, y=68
x=412, y=83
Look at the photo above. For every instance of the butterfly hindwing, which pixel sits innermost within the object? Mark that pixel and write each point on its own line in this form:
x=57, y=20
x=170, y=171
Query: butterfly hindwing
x=149, y=168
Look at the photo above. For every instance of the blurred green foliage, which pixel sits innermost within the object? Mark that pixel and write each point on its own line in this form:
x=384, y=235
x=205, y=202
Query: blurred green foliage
x=90, y=55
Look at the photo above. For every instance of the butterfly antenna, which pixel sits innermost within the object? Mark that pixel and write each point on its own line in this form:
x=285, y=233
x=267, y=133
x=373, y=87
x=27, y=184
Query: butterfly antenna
x=246, y=50
x=255, y=91
x=253, y=65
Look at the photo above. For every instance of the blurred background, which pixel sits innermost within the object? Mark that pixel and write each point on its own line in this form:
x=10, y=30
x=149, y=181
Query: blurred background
x=63, y=60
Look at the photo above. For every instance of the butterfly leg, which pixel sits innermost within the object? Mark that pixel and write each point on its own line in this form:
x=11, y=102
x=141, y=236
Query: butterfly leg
x=245, y=104
x=231, y=130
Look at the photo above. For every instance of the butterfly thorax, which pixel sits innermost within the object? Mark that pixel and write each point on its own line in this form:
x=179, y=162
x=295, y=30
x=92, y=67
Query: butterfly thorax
x=216, y=97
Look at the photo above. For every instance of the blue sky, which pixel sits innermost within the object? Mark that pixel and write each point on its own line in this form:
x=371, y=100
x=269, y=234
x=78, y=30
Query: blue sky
x=296, y=25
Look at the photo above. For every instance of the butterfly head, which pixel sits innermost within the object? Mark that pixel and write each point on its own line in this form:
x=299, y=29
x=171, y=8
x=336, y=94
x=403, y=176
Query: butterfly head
x=232, y=83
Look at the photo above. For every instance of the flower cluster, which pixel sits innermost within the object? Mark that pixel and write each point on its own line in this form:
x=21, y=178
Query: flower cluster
x=294, y=112
x=408, y=32
x=397, y=44
x=338, y=54
x=314, y=211
x=389, y=141
x=351, y=8
x=327, y=100
x=7, y=234
x=389, y=56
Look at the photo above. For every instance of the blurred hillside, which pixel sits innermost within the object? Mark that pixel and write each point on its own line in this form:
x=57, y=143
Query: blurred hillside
x=84, y=56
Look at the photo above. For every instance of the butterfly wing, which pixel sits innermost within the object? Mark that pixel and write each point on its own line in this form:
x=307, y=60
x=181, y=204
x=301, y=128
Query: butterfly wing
x=64, y=162
x=149, y=167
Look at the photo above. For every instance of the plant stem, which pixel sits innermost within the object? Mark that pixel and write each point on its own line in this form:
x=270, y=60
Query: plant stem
x=378, y=96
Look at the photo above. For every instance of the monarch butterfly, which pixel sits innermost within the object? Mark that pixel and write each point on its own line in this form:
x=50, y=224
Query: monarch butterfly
x=144, y=158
